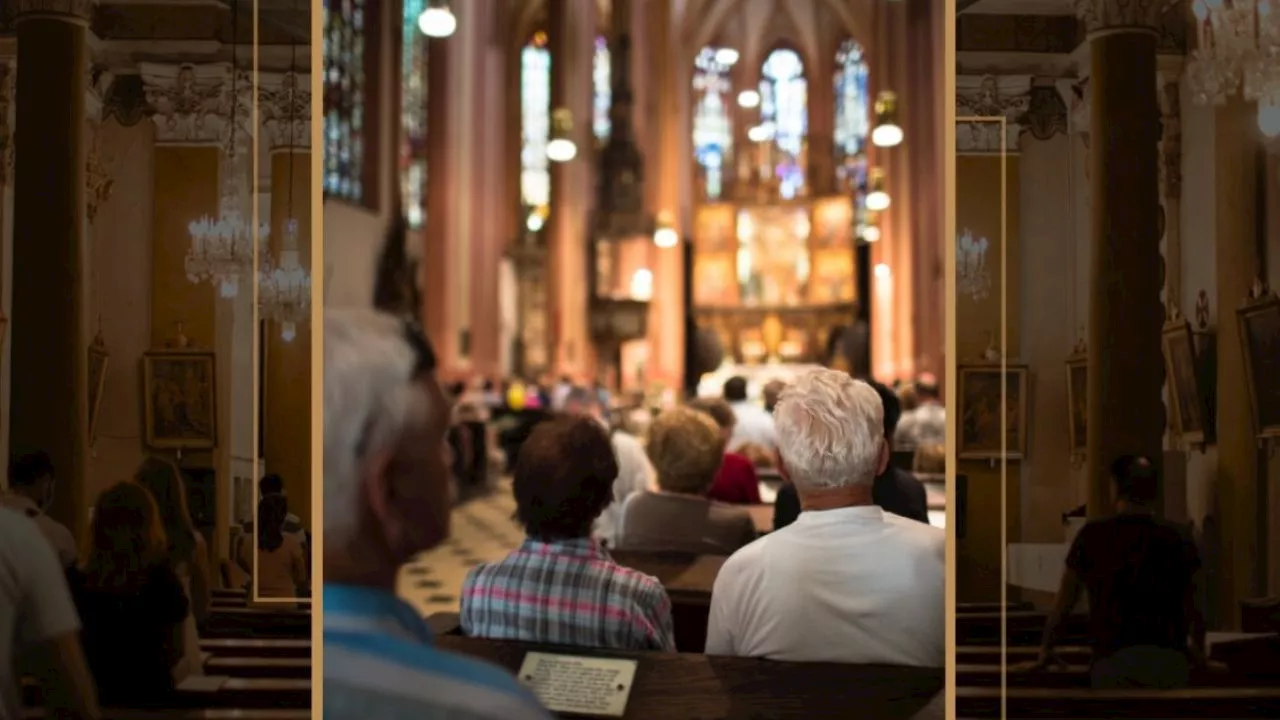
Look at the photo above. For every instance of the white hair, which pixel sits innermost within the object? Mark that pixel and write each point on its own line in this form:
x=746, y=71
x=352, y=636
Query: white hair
x=830, y=428
x=368, y=403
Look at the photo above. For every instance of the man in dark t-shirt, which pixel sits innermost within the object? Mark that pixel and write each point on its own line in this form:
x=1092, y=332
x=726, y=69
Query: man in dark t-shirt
x=895, y=490
x=1140, y=575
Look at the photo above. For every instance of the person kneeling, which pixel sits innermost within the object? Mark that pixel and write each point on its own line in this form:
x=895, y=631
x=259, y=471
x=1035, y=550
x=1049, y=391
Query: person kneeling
x=560, y=586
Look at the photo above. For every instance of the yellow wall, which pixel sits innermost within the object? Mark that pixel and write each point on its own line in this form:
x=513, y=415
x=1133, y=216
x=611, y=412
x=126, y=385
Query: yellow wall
x=286, y=394
x=979, y=209
x=186, y=187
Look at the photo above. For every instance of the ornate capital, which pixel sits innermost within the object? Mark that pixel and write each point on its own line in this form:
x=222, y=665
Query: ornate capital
x=97, y=91
x=284, y=100
x=74, y=11
x=192, y=104
x=1138, y=15
x=7, y=74
x=990, y=96
x=1046, y=114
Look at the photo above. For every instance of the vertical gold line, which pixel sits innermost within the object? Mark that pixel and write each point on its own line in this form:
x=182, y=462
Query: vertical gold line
x=949, y=324
x=253, y=282
x=317, y=356
x=1004, y=423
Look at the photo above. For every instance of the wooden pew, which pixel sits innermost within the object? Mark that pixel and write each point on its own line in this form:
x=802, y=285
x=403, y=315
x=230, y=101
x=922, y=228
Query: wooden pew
x=1077, y=676
x=1023, y=628
x=259, y=667
x=223, y=692
x=990, y=654
x=239, y=647
x=203, y=714
x=257, y=624
x=688, y=580
x=985, y=702
x=685, y=686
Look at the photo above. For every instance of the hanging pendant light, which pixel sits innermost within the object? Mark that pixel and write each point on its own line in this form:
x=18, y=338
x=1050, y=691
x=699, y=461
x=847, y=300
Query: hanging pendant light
x=886, y=133
x=877, y=198
x=561, y=147
x=438, y=20
x=665, y=236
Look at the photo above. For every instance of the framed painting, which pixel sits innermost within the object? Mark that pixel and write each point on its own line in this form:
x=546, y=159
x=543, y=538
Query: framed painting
x=992, y=398
x=1260, y=336
x=179, y=399
x=98, y=359
x=1181, y=368
x=1078, y=402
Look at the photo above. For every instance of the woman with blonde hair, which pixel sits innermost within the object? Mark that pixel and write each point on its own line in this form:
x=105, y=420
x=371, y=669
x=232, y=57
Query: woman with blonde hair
x=186, y=552
x=686, y=449
x=131, y=603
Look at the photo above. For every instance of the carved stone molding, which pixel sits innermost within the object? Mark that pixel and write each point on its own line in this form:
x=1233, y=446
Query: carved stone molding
x=127, y=101
x=77, y=11
x=96, y=92
x=284, y=102
x=192, y=104
x=7, y=85
x=990, y=96
x=98, y=183
x=1046, y=113
x=1171, y=138
x=1101, y=15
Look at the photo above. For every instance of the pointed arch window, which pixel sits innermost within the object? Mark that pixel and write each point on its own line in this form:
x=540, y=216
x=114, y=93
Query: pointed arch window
x=535, y=121
x=413, y=115
x=853, y=116
x=602, y=88
x=784, y=112
x=348, y=139
x=712, y=123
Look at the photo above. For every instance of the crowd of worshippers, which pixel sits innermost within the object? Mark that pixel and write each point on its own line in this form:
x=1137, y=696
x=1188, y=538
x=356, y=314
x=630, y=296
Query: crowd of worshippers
x=117, y=617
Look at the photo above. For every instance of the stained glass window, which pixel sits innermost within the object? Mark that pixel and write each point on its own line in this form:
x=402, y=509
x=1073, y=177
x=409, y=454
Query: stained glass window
x=535, y=121
x=413, y=115
x=784, y=111
x=344, y=98
x=853, y=117
x=712, y=125
x=603, y=91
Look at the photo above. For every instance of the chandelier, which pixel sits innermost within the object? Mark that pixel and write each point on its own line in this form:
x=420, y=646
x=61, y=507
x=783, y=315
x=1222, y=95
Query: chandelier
x=222, y=248
x=1238, y=47
x=284, y=289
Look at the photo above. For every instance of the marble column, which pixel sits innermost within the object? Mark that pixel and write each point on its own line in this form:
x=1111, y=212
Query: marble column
x=49, y=408
x=286, y=395
x=1238, y=487
x=1126, y=367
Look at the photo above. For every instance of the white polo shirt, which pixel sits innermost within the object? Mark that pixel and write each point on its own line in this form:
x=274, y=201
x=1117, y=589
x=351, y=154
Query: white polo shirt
x=754, y=425
x=851, y=585
x=35, y=603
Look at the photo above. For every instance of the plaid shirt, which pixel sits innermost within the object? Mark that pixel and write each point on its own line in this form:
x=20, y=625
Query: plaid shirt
x=568, y=592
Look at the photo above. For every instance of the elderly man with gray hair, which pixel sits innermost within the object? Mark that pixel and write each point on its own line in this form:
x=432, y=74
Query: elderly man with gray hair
x=386, y=490
x=846, y=582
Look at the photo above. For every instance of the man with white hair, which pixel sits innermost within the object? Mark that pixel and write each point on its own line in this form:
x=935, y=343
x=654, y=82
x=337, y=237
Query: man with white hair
x=846, y=582
x=386, y=489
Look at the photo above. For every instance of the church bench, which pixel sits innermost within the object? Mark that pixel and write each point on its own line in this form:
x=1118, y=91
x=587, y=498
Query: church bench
x=1077, y=675
x=985, y=702
x=221, y=692
x=993, y=607
x=257, y=623
x=258, y=667
x=197, y=714
x=239, y=647
x=1024, y=628
x=990, y=654
x=686, y=686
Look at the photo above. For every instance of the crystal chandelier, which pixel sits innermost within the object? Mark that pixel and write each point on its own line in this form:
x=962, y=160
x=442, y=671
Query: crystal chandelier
x=284, y=289
x=1238, y=47
x=222, y=248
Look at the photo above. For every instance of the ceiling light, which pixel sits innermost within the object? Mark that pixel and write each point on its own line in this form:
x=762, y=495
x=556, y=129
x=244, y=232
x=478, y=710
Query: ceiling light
x=665, y=235
x=886, y=133
x=871, y=233
x=877, y=199
x=561, y=148
x=748, y=99
x=437, y=21
x=726, y=56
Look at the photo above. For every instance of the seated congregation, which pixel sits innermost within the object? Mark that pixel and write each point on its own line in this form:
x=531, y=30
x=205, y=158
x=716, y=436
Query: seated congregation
x=137, y=621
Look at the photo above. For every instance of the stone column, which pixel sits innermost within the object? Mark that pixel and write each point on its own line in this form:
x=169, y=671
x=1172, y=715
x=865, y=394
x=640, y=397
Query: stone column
x=8, y=70
x=669, y=71
x=1126, y=364
x=49, y=408
x=286, y=397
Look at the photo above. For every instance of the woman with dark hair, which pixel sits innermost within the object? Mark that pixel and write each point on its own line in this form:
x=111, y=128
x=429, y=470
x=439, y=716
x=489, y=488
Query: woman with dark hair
x=282, y=562
x=132, y=605
x=186, y=552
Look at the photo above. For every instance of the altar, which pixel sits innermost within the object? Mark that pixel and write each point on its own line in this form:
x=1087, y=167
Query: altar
x=775, y=282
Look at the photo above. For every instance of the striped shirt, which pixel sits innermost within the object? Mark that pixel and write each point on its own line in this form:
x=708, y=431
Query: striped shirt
x=568, y=592
x=379, y=664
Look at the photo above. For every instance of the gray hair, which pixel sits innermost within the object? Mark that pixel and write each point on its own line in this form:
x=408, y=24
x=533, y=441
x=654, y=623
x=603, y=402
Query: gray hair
x=368, y=403
x=830, y=428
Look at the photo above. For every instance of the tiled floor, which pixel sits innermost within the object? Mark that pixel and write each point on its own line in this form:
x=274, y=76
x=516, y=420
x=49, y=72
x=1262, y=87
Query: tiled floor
x=483, y=530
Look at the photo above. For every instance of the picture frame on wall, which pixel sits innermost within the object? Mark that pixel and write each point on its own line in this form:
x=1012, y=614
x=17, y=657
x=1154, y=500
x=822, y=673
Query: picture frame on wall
x=99, y=358
x=1189, y=411
x=179, y=399
x=1078, y=401
x=1259, y=322
x=986, y=394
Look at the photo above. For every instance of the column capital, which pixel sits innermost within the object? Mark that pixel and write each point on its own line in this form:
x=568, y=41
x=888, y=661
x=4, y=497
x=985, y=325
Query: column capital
x=192, y=104
x=284, y=100
x=990, y=96
x=73, y=11
x=1122, y=15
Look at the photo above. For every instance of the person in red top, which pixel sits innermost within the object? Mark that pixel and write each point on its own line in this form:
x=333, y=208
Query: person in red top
x=736, y=482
